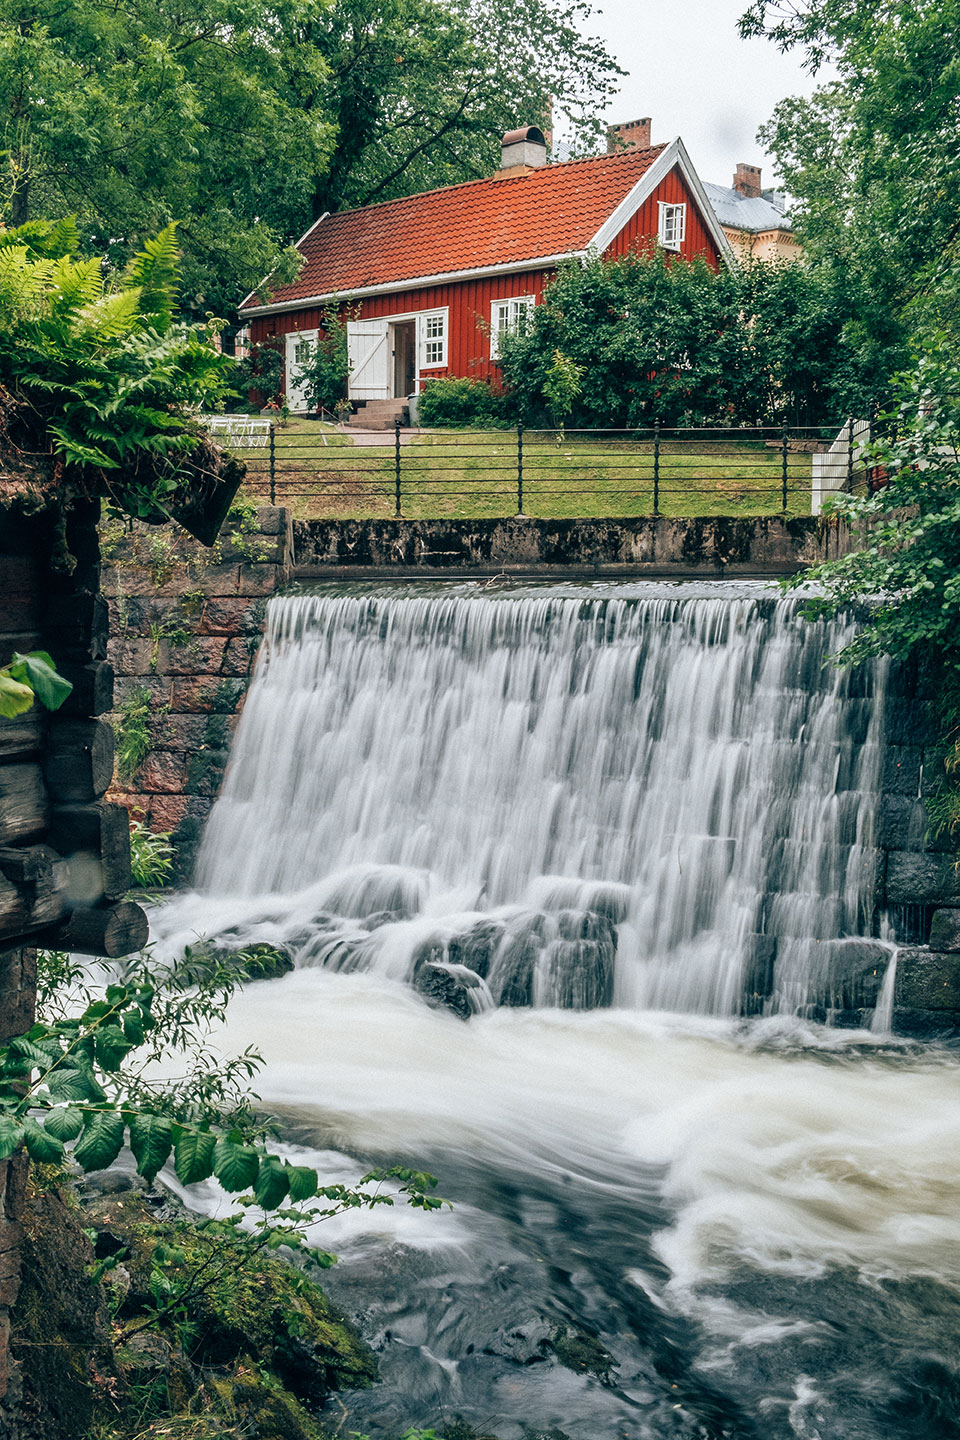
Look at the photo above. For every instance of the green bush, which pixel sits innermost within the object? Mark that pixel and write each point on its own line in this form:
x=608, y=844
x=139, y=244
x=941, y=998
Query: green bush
x=464, y=403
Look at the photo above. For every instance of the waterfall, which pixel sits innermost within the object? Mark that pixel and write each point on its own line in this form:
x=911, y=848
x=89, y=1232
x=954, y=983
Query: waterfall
x=649, y=796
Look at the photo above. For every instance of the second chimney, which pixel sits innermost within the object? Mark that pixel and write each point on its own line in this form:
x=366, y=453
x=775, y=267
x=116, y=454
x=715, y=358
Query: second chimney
x=522, y=150
x=747, y=182
x=631, y=135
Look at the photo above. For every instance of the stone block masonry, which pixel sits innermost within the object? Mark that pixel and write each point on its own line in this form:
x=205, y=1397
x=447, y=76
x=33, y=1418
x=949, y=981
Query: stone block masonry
x=185, y=626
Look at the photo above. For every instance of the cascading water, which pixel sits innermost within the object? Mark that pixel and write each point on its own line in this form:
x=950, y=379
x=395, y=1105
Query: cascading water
x=657, y=800
x=626, y=831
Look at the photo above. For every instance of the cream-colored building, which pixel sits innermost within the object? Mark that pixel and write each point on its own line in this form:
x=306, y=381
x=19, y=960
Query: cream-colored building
x=754, y=220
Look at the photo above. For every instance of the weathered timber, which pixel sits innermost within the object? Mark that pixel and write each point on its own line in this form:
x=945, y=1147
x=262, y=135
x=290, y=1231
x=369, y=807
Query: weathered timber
x=77, y=623
x=78, y=764
x=25, y=864
x=98, y=830
x=111, y=930
x=25, y=911
x=92, y=692
x=23, y=802
x=22, y=736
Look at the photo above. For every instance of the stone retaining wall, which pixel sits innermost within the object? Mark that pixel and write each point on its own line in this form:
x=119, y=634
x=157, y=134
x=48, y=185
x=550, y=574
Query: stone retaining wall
x=665, y=548
x=185, y=626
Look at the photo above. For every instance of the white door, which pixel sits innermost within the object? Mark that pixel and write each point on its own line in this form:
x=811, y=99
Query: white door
x=369, y=357
x=300, y=345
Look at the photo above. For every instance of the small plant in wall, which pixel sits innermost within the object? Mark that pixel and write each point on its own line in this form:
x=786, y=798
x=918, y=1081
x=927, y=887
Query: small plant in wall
x=28, y=678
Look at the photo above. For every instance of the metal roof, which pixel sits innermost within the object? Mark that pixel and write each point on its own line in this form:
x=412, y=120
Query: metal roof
x=766, y=212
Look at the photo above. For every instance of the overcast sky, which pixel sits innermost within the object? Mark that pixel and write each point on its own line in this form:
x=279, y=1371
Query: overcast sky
x=688, y=69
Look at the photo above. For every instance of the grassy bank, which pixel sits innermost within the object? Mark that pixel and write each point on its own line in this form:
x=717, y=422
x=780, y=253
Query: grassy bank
x=325, y=473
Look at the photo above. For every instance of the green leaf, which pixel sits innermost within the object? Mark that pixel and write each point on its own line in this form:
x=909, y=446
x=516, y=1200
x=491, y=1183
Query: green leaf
x=303, y=1182
x=64, y=1123
x=236, y=1166
x=111, y=1046
x=10, y=1136
x=15, y=698
x=43, y=1147
x=272, y=1185
x=151, y=1140
x=133, y=1028
x=74, y=1083
x=193, y=1156
x=101, y=1141
x=37, y=670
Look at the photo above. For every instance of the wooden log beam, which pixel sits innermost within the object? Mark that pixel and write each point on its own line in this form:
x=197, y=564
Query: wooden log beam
x=112, y=931
x=23, y=803
x=78, y=761
x=28, y=906
x=99, y=832
x=92, y=689
x=22, y=736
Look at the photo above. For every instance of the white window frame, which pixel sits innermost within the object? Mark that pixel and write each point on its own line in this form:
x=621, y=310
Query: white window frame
x=432, y=349
x=672, y=225
x=511, y=308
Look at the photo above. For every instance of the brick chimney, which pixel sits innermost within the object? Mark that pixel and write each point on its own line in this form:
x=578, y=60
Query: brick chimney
x=630, y=135
x=521, y=151
x=746, y=182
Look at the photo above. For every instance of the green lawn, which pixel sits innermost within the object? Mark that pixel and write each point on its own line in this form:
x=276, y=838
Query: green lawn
x=321, y=473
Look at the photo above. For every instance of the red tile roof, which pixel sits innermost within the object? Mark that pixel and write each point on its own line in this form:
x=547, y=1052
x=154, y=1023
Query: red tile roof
x=549, y=211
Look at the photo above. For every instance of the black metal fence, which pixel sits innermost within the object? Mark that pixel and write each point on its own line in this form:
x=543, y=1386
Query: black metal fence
x=327, y=471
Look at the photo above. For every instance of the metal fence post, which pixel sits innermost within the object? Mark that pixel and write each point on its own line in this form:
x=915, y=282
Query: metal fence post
x=785, y=473
x=519, y=469
x=656, y=467
x=850, y=456
x=396, y=465
x=273, y=467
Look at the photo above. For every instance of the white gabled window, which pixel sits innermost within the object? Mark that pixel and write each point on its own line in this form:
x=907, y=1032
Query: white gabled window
x=433, y=339
x=506, y=318
x=673, y=226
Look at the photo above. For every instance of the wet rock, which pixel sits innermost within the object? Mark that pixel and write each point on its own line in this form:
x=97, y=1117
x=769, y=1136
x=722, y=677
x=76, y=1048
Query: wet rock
x=266, y=962
x=512, y=978
x=587, y=925
x=582, y=1352
x=526, y=1345
x=945, y=931
x=928, y=980
x=579, y=974
x=381, y=917
x=477, y=948
x=108, y=1182
x=441, y=988
x=759, y=973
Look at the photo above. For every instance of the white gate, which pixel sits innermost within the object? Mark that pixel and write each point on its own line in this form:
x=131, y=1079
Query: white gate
x=369, y=358
x=300, y=345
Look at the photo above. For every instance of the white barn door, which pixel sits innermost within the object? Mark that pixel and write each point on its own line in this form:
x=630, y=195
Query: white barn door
x=300, y=345
x=369, y=360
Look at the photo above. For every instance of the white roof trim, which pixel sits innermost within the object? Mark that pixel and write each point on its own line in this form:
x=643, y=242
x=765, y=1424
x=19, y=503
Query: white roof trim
x=309, y=231
x=703, y=200
x=675, y=154
x=419, y=282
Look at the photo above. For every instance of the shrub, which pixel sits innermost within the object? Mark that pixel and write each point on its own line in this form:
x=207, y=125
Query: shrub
x=462, y=403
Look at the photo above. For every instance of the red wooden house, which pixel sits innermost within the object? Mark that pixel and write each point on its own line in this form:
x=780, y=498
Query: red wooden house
x=438, y=276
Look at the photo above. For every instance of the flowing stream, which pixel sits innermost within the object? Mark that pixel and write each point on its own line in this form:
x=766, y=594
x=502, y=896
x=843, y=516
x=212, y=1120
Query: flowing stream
x=578, y=883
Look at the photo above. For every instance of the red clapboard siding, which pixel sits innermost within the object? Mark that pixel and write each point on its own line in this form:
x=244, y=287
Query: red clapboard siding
x=469, y=301
x=642, y=228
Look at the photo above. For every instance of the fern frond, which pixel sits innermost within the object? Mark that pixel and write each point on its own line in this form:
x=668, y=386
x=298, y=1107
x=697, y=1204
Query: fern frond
x=156, y=273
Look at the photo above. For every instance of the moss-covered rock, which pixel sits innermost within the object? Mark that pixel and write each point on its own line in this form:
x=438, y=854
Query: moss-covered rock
x=238, y=1304
x=60, y=1326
